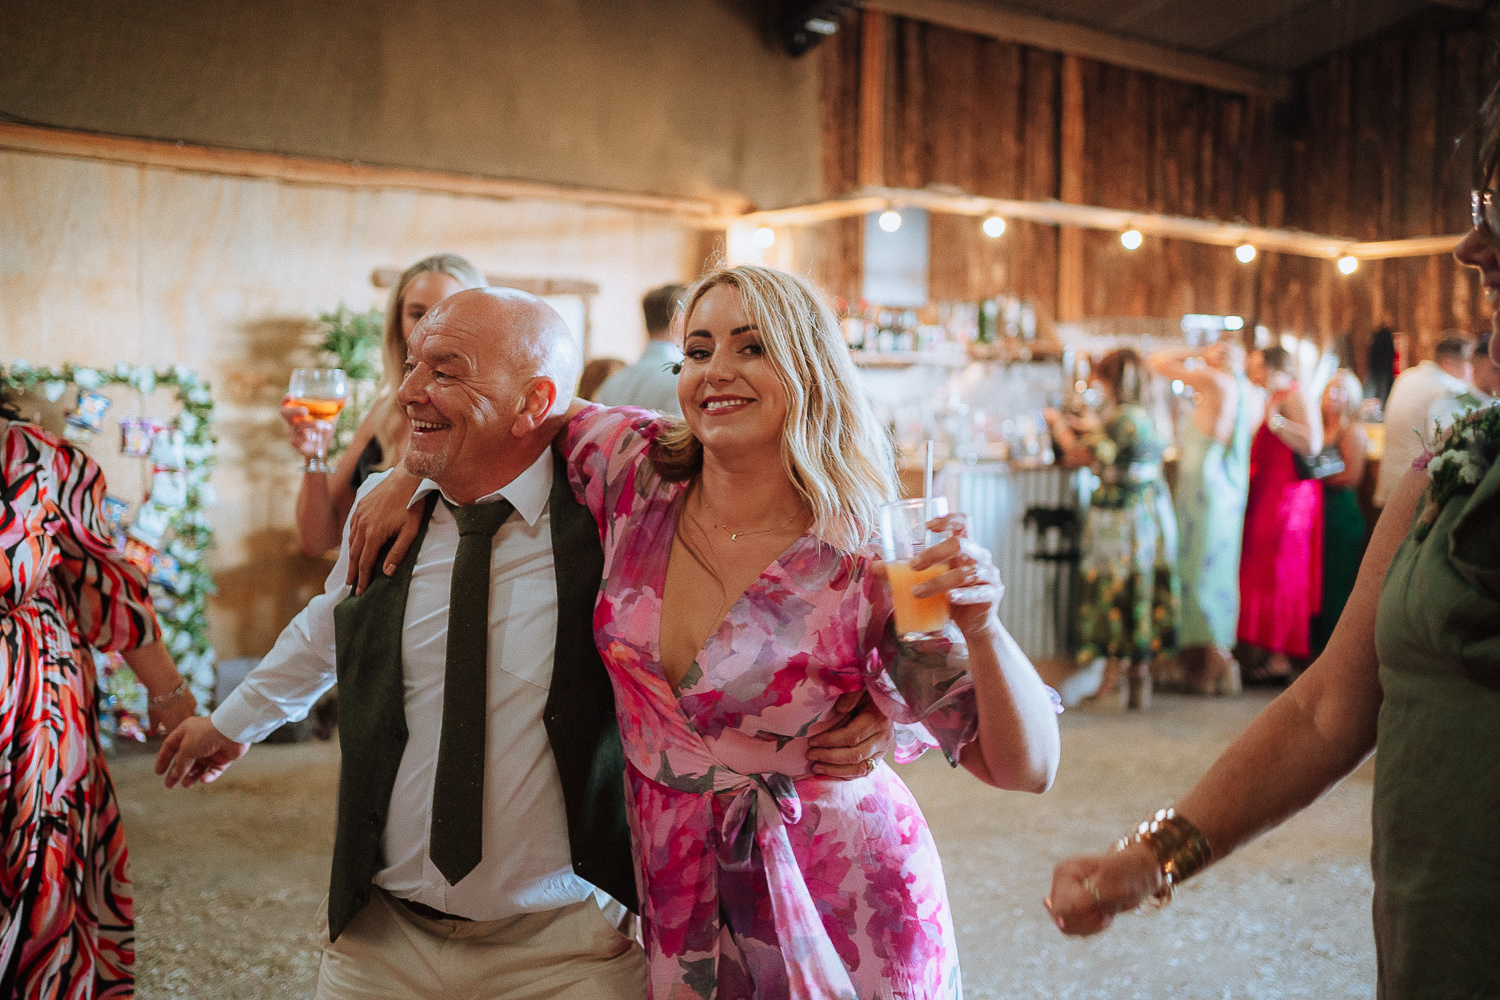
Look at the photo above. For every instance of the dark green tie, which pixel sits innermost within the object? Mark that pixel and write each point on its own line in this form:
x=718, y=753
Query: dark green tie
x=458, y=789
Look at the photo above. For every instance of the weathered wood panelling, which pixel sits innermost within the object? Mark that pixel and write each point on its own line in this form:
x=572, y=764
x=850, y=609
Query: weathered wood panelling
x=1365, y=149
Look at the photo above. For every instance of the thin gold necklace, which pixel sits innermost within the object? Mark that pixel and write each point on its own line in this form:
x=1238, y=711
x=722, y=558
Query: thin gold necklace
x=734, y=536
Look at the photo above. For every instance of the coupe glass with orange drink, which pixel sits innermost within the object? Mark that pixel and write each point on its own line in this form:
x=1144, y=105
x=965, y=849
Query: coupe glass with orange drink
x=322, y=392
x=904, y=534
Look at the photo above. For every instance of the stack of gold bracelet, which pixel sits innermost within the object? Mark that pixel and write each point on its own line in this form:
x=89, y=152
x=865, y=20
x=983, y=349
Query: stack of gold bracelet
x=1180, y=849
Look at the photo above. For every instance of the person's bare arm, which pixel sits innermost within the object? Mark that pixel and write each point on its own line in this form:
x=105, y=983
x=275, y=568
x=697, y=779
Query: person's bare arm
x=1018, y=745
x=324, y=499
x=1302, y=744
x=384, y=512
x=1294, y=428
x=1352, y=450
x=1173, y=364
x=153, y=667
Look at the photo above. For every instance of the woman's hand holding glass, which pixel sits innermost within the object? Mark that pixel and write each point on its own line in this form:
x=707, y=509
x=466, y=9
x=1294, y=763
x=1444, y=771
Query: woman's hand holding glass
x=922, y=568
x=313, y=400
x=971, y=581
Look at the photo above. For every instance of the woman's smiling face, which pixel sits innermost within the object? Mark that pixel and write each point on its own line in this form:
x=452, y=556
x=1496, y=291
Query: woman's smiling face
x=730, y=393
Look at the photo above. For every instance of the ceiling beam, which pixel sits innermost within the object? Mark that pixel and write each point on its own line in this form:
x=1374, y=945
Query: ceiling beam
x=1059, y=213
x=336, y=173
x=700, y=213
x=1062, y=36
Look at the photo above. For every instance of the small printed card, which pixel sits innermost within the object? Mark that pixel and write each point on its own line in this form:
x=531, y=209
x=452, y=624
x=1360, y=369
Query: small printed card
x=137, y=434
x=90, y=413
x=113, y=511
x=139, y=554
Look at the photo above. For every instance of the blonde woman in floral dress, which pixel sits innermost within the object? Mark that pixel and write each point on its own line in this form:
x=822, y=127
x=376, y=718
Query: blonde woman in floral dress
x=740, y=600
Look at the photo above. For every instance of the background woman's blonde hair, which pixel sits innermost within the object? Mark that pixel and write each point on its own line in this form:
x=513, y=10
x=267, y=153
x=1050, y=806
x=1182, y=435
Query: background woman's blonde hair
x=385, y=416
x=832, y=447
x=1354, y=395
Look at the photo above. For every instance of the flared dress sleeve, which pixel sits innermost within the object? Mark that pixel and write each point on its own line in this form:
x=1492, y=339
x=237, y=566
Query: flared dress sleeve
x=111, y=603
x=924, y=687
x=605, y=451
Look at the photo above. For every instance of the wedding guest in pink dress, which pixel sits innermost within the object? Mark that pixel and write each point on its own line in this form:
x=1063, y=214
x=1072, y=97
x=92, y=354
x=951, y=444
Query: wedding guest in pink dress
x=741, y=606
x=1281, y=575
x=741, y=598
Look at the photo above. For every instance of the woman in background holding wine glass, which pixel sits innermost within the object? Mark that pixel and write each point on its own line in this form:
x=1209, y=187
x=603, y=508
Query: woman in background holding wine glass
x=325, y=497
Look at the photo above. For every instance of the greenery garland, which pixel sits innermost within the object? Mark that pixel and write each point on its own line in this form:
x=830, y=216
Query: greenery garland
x=182, y=615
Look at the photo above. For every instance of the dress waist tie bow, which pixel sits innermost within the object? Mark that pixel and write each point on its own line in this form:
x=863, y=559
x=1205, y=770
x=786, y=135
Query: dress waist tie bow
x=760, y=807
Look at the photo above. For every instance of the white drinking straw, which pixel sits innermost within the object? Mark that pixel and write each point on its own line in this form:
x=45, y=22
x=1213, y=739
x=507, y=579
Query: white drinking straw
x=927, y=476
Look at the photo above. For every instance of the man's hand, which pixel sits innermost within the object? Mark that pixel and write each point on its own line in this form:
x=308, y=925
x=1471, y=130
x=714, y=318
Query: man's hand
x=379, y=515
x=854, y=747
x=196, y=751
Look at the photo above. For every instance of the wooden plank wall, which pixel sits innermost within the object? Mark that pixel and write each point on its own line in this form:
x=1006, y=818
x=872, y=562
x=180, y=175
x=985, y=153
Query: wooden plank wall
x=1364, y=150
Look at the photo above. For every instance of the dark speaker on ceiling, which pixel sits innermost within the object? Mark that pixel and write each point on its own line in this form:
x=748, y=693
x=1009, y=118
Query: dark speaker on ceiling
x=802, y=24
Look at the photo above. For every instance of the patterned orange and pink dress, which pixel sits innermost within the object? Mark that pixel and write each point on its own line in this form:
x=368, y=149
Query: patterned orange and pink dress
x=756, y=878
x=66, y=911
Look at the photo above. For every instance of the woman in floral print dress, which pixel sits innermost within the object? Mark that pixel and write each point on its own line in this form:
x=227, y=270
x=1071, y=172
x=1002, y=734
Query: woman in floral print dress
x=1129, y=586
x=66, y=914
x=740, y=600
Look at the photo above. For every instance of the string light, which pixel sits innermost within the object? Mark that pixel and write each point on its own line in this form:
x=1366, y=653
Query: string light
x=764, y=237
x=994, y=227
x=1131, y=239
x=1348, y=264
x=890, y=220
x=1245, y=253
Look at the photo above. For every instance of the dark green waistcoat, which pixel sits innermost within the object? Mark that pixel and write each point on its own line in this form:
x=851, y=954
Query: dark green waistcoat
x=579, y=716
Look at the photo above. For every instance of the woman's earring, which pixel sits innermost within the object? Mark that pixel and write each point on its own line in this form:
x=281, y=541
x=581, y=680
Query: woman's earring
x=675, y=368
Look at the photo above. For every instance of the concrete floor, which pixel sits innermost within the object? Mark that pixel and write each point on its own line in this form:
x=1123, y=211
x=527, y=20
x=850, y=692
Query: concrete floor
x=229, y=877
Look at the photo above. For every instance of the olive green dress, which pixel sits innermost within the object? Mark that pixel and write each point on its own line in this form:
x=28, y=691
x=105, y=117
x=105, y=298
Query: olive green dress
x=1436, y=854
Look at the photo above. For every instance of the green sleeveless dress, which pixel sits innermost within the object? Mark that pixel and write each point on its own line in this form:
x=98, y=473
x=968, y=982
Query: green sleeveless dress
x=1436, y=855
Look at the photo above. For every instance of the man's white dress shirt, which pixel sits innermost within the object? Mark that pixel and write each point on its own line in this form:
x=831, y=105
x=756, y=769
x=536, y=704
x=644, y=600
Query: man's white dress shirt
x=526, y=865
x=1407, y=431
x=648, y=383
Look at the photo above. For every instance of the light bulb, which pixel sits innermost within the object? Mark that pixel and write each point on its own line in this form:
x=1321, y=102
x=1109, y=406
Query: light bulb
x=1245, y=253
x=1348, y=264
x=764, y=237
x=994, y=227
x=890, y=220
x=1130, y=239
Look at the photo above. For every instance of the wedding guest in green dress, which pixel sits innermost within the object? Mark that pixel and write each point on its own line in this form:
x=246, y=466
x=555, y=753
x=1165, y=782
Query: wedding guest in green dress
x=1413, y=667
x=1128, y=570
x=1213, y=476
x=1343, y=521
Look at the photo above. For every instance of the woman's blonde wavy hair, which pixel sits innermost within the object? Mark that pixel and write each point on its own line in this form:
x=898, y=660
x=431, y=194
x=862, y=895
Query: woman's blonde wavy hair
x=834, y=450
x=385, y=416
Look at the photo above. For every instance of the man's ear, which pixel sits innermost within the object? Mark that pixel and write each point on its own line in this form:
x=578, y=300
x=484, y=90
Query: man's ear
x=534, y=407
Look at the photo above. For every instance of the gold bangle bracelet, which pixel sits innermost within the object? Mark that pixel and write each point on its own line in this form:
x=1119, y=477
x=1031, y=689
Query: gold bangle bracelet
x=163, y=700
x=1178, y=846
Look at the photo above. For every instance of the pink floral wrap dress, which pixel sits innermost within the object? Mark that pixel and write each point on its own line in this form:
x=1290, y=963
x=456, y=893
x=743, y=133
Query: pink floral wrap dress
x=756, y=878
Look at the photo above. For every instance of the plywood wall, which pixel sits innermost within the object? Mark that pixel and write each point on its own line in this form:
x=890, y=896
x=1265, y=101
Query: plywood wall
x=1363, y=149
x=102, y=262
x=682, y=99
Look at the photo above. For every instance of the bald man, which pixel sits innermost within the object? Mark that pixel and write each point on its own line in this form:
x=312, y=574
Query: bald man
x=537, y=907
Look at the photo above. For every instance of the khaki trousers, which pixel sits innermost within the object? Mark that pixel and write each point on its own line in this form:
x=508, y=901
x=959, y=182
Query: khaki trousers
x=572, y=953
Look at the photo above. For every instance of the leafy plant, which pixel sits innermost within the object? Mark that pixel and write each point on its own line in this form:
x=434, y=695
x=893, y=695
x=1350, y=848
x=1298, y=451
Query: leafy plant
x=353, y=339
